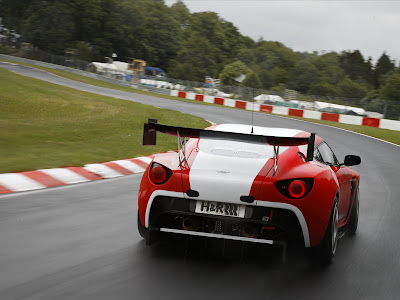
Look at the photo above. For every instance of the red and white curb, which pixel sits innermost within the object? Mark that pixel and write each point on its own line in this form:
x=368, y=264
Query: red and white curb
x=45, y=178
x=286, y=111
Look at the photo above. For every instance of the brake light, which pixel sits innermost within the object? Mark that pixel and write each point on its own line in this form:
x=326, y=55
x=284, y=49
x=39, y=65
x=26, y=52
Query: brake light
x=297, y=188
x=159, y=174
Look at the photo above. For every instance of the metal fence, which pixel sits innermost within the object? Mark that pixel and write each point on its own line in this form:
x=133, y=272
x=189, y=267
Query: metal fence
x=377, y=108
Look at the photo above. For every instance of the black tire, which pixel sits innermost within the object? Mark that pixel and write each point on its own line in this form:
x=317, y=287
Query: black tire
x=353, y=222
x=327, y=248
x=142, y=230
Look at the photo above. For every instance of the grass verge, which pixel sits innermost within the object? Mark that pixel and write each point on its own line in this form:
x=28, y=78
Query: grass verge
x=44, y=125
x=384, y=134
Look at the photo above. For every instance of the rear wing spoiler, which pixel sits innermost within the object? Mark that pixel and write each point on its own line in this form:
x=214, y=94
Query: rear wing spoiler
x=150, y=136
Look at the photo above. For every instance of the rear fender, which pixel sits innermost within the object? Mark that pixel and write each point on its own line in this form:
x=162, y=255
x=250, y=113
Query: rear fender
x=315, y=207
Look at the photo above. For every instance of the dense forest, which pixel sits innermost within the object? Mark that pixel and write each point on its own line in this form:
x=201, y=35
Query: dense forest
x=194, y=45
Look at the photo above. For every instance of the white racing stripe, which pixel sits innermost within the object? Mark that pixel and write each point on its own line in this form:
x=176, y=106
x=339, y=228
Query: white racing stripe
x=225, y=170
x=224, y=179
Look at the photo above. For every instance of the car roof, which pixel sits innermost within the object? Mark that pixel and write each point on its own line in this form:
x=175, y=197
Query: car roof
x=257, y=130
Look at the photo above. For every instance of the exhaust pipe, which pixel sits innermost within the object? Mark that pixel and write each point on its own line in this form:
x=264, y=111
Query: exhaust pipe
x=249, y=231
x=190, y=224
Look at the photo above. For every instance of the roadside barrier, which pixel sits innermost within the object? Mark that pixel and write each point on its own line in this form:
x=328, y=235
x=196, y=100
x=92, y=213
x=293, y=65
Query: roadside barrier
x=286, y=111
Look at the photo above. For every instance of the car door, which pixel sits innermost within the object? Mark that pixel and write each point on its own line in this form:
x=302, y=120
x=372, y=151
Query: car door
x=342, y=175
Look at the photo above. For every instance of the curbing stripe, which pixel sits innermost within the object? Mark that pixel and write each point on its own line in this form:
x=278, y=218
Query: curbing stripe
x=43, y=178
x=148, y=159
x=18, y=182
x=4, y=190
x=139, y=162
x=131, y=165
x=85, y=173
x=64, y=175
x=117, y=167
x=102, y=170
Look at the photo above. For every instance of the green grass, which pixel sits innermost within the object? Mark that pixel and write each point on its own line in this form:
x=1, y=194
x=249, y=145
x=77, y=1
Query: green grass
x=43, y=125
x=384, y=134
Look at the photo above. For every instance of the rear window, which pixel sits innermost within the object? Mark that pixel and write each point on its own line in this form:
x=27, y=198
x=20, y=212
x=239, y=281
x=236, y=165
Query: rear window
x=238, y=149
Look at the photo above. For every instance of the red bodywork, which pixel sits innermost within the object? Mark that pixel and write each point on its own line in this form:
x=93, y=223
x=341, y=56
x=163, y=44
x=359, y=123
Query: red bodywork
x=315, y=208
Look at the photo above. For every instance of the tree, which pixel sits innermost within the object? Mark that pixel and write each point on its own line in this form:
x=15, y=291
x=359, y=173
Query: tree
x=14, y=12
x=284, y=57
x=49, y=26
x=181, y=13
x=329, y=69
x=391, y=89
x=383, y=67
x=232, y=71
x=162, y=34
x=303, y=75
x=197, y=56
x=323, y=88
x=349, y=88
x=252, y=80
x=83, y=51
x=355, y=66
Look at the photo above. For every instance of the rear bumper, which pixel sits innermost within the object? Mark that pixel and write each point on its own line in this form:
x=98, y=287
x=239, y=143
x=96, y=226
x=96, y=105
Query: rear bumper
x=164, y=217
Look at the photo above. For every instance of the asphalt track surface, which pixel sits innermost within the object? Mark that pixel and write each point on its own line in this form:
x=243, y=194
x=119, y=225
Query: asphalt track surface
x=81, y=242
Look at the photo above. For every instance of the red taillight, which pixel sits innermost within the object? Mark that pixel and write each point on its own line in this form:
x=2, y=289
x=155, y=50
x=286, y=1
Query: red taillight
x=297, y=188
x=158, y=174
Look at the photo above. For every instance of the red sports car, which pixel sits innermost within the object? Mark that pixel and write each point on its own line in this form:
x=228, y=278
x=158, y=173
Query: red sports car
x=248, y=183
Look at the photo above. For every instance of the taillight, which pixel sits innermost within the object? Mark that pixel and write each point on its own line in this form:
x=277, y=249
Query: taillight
x=295, y=188
x=159, y=174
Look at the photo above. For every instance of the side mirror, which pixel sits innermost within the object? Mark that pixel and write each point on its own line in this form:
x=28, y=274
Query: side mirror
x=351, y=160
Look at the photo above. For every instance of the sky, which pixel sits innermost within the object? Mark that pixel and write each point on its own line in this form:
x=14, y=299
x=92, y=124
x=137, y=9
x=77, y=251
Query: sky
x=319, y=25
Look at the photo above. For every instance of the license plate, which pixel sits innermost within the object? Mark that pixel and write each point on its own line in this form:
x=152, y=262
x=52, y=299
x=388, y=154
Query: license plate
x=220, y=209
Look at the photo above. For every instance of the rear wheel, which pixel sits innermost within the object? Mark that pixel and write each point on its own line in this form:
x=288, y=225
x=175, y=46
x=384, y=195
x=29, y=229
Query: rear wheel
x=353, y=222
x=327, y=248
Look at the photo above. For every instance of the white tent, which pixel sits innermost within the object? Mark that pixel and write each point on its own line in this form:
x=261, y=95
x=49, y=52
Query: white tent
x=114, y=68
x=322, y=105
x=272, y=98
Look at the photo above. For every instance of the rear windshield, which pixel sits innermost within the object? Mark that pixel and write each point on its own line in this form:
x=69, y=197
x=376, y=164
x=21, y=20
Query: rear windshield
x=233, y=148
